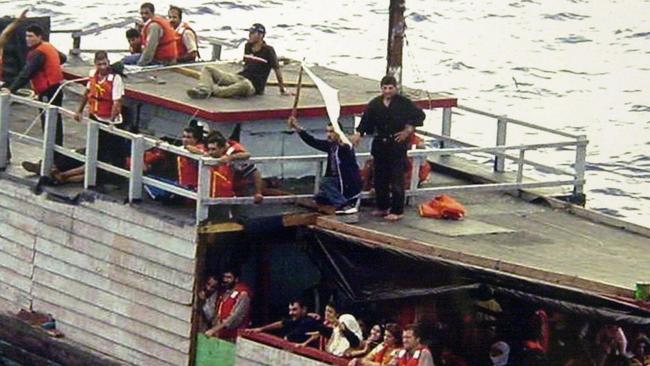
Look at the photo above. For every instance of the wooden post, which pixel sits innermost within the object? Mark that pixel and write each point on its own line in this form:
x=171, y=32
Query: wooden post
x=92, y=138
x=49, y=137
x=580, y=165
x=396, y=28
x=76, y=44
x=499, y=159
x=5, y=105
x=216, y=52
x=446, y=125
x=520, y=166
x=137, y=165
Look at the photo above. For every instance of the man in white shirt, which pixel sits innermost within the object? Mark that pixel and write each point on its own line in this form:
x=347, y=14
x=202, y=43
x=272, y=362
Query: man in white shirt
x=187, y=43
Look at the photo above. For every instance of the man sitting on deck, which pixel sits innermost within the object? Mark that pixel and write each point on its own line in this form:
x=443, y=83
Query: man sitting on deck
x=186, y=39
x=296, y=327
x=158, y=38
x=259, y=59
x=341, y=185
x=135, y=47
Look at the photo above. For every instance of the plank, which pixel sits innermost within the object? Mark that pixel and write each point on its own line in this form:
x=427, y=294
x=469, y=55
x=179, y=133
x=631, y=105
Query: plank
x=145, y=299
x=134, y=342
x=14, y=279
x=16, y=250
x=111, y=302
x=15, y=296
x=16, y=264
x=17, y=235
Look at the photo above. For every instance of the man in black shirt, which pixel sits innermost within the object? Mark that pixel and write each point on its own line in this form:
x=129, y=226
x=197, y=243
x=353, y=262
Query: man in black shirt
x=296, y=327
x=259, y=59
x=392, y=119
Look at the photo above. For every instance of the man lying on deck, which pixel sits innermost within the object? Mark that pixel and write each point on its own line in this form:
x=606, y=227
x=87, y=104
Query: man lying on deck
x=341, y=185
x=158, y=38
x=259, y=59
x=186, y=40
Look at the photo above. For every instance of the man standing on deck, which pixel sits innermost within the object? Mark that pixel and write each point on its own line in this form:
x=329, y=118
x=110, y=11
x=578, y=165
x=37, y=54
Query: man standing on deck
x=259, y=59
x=158, y=38
x=43, y=70
x=186, y=39
x=232, y=311
x=392, y=119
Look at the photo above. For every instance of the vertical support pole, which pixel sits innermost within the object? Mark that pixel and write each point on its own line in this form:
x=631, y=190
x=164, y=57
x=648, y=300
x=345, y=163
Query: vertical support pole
x=76, y=44
x=396, y=28
x=318, y=175
x=499, y=159
x=216, y=52
x=446, y=125
x=92, y=138
x=137, y=167
x=5, y=105
x=49, y=136
x=415, y=174
x=202, y=192
x=520, y=166
x=580, y=164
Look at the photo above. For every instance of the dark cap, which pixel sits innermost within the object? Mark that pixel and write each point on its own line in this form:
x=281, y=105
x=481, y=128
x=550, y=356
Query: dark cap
x=257, y=27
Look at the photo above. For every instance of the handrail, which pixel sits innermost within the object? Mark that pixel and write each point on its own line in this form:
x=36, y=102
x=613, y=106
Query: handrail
x=277, y=342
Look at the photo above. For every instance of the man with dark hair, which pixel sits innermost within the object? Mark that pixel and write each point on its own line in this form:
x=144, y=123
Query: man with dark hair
x=135, y=47
x=43, y=69
x=188, y=168
x=296, y=327
x=186, y=39
x=392, y=119
x=232, y=307
x=208, y=298
x=259, y=59
x=341, y=185
x=414, y=352
x=158, y=38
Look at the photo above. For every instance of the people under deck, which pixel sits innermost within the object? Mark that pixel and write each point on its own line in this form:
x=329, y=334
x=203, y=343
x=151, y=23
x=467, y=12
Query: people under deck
x=259, y=59
x=158, y=38
x=297, y=327
x=232, y=307
x=186, y=40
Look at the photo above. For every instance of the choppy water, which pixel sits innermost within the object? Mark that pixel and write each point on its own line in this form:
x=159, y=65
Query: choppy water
x=579, y=66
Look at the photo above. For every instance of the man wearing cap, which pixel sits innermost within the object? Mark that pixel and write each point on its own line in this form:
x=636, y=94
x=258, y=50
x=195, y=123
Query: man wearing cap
x=259, y=59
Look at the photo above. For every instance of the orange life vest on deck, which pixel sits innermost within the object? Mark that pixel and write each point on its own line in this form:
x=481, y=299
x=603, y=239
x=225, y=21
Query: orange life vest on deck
x=100, y=95
x=442, y=207
x=188, y=170
x=224, y=308
x=50, y=73
x=406, y=359
x=166, y=50
x=180, y=46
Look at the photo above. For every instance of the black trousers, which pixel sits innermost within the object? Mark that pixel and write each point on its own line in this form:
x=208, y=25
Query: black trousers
x=390, y=163
x=47, y=97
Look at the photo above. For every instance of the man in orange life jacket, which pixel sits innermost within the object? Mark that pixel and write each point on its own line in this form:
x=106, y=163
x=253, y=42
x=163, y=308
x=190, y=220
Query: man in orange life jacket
x=158, y=38
x=43, y=69
x=186, y=39
x=414, y=353
x=232, y=309
x=188, y=169
x=6, y=33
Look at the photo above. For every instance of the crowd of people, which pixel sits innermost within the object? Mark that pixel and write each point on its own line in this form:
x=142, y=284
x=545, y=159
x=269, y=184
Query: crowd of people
x=482, y=334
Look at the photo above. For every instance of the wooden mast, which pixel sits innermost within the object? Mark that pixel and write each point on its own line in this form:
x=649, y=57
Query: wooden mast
x=396, y=28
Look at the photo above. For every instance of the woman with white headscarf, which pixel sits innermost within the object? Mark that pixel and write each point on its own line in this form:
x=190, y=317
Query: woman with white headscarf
x=499, y=353
x=346, y=334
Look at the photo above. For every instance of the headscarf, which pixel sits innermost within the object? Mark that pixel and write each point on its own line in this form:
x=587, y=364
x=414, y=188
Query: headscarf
x=502, y=359
x=338, y=344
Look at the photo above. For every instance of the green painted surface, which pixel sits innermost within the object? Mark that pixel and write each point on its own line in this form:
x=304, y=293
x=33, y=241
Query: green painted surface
x=214, y=352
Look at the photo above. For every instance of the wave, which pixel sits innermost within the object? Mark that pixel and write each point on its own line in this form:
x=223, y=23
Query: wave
x=565, y=16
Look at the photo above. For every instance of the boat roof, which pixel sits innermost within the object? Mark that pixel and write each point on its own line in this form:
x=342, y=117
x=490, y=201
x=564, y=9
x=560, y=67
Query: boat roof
x=167, y=88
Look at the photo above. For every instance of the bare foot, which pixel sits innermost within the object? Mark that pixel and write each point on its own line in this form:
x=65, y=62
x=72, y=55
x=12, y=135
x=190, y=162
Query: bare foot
x=393, y=217
x=379, y=213
x=258, y=198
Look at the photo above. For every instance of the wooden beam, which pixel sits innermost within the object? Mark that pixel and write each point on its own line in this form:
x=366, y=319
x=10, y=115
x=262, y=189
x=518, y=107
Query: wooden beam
x=220, y=227
x=302, y=219
x=432, y=251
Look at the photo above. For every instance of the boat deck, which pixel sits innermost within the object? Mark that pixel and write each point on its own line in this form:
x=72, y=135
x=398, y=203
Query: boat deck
x=354, y=93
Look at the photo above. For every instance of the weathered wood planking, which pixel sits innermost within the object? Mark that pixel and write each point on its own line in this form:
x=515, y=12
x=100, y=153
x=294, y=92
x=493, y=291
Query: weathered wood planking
x=15, y=295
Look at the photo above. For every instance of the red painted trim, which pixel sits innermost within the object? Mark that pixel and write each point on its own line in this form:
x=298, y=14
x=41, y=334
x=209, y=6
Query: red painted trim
x=280, y=343
x=256, y=115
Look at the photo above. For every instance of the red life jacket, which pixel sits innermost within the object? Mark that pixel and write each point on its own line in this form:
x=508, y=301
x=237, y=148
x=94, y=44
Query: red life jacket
x=180, y=46
x=406, y=359
x=221, y=178
x=188, y=170
x=225, y=306
x=100, y=95
x=166, y=50
x=442, y=207
x=50, y=73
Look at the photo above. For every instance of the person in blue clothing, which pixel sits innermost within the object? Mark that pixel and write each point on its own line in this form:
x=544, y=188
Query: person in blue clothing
x=341, y=185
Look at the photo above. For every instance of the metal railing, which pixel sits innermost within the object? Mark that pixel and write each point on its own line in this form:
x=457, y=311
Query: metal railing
x=139, y=143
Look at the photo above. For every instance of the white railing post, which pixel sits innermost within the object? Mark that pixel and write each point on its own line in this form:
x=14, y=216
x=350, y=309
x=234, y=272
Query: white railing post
x=500, y=159
x=5, y=105
x=446, y=125
x=318, y=175
x=415, y=173
x=49, y=136
x=520, y=166
x=92, y=138
x=580, y=166
x=202, y=192
x=137, y=165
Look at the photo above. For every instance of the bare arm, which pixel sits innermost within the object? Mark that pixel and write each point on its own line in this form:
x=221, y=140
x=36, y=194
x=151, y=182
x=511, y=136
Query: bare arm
x=82, y=105
x=4, y=36
x=278, y=76
x=272, y=326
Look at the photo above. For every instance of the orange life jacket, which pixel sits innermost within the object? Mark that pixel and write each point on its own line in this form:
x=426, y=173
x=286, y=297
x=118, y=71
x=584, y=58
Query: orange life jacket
x=442, y=207
x=180, y=46
x=50, y=73
x=384, y=356
x=406, y=359
x=225, y=306
x=221, y=181
x=166, y=50
x=188, y=170
x=100, y=95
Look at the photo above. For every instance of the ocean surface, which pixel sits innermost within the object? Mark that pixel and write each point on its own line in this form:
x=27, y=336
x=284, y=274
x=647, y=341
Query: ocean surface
x=578, y=66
